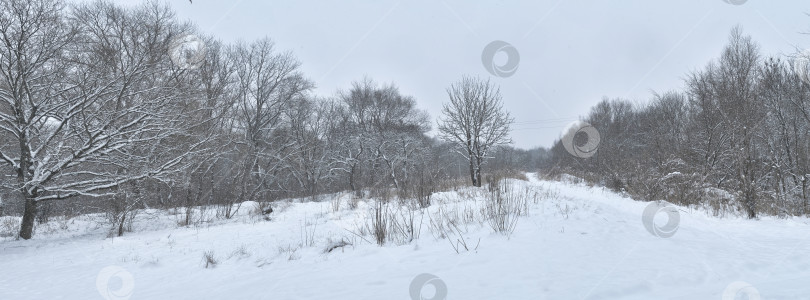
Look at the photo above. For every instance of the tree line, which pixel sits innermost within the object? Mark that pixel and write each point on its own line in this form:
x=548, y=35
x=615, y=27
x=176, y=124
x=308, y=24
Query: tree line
x=113, y=109
x=735, y=138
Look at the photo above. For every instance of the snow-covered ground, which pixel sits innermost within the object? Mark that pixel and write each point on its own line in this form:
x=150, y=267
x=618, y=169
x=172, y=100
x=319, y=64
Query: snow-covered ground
x=576, y=243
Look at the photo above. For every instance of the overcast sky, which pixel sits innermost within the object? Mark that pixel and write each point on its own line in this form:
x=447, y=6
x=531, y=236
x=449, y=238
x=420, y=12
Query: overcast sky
x=572, y=52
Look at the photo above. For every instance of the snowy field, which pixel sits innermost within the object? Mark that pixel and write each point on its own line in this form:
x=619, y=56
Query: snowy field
x=576, y=242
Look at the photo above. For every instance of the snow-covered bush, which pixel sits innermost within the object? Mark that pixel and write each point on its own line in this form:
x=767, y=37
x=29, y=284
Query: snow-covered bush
x=332, y=245
x=209, y=260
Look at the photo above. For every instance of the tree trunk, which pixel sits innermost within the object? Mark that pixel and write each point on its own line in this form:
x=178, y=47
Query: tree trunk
x=478, y=163
x=30, y=195
x=27, y=226
x=804, y=194
x=351, y=182
x=472, y=173
x=121, y=224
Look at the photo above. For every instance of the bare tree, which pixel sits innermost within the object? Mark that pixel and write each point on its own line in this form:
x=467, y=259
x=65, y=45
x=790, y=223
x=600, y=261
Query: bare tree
x=475, y=121
x=309, y=124
x=267, y=83
x=728, y=98
x=383, y=132
x=89, y=109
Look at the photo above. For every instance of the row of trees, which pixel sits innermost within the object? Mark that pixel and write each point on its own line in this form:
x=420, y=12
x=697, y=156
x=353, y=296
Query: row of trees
x=112, y=108
x=741, y=127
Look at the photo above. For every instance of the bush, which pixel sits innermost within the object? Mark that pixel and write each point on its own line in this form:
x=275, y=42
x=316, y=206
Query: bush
x=379, y=223
x=209, y=259
x=9, y=226
x=505, y=203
